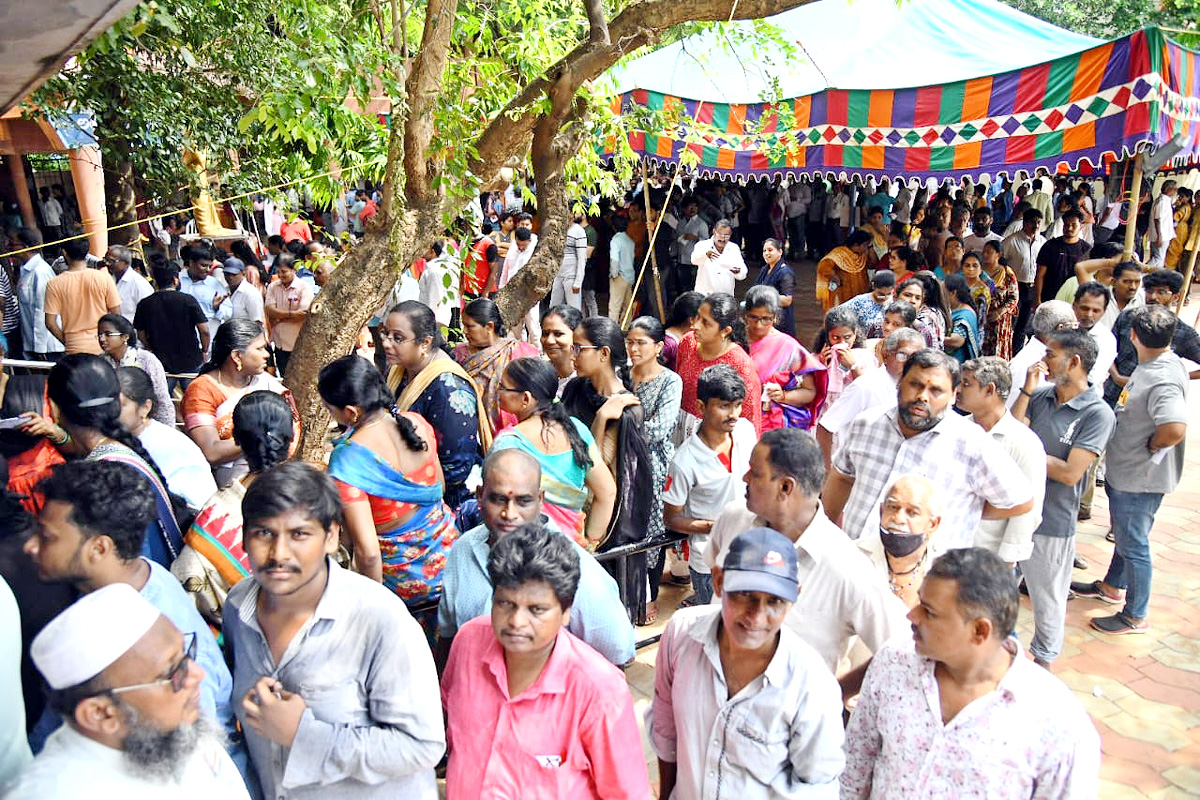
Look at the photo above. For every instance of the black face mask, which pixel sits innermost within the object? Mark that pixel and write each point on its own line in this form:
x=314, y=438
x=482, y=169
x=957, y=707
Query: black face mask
x=899, y=545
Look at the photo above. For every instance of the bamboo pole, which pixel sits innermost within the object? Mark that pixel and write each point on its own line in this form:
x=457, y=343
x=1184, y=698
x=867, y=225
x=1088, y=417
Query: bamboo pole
x=625, y=318
x=658, y=295
x=1192, y=243
x=1135, y=199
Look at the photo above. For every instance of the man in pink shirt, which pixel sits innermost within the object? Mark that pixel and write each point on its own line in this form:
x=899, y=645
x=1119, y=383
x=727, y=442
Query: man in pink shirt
x=286, y=305
x=531, y=711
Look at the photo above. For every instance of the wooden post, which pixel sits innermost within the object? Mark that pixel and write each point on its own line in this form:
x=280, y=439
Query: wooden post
x=650, y=251
x=1192, y=243
x=658, y=295
x=1135, y=199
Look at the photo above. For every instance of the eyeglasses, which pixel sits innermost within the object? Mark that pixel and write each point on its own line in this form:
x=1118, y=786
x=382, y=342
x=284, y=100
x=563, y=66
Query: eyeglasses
x=508, y=389
x=760, y=320
x=108, y=334
x=639, y=343
x=394, y=338
x=579, y=348
x=177, y=677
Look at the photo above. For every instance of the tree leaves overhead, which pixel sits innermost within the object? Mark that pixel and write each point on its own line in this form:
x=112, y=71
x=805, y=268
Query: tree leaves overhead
x=1110, y=19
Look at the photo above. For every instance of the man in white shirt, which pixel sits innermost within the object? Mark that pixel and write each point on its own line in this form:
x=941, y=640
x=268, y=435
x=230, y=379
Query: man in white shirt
x=986, y=384
x=36, y=339
x=1091, y=301
x=1162, y=224
x=131, y=286
x=127, y=684
x=433, y=290
x=1051, y=316
x=718, y=261
x=743, y=708
x=843, y=597
x=875, y=388
x=52, y=215
x=244, y=298
x=1021, y=250
x=1023, y=733
x=568, y=284
x=981, y=231
x=690, y=230
x=796, y=211
x=622, y=271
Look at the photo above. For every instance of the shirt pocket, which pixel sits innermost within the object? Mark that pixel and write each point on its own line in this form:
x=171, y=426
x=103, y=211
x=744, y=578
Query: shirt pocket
x=760, y=746
x=339, y=704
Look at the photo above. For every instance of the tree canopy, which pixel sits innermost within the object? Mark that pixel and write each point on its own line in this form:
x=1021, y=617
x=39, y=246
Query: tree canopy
x=1110, y=19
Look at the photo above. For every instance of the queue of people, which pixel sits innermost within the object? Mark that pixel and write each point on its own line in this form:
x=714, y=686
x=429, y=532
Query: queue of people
x=855, y=520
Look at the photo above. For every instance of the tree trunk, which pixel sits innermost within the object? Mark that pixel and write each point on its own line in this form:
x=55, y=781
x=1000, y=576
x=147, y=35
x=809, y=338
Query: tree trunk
x=120, y=195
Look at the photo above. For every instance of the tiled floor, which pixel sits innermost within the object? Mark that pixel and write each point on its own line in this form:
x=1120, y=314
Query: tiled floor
x=1142, y=691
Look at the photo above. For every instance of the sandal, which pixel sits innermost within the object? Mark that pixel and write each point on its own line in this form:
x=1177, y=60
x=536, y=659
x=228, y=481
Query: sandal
x=691, y=600
x=650, y=615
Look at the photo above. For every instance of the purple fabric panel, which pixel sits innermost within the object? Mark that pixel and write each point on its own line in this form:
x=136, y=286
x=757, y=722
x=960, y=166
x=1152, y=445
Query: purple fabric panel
x=1116, y=72
x=1004, y=93
x=904, y=104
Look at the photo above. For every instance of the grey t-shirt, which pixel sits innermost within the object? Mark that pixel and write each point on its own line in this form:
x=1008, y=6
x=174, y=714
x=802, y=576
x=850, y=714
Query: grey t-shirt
x=1156, y=394
x=1084, y=421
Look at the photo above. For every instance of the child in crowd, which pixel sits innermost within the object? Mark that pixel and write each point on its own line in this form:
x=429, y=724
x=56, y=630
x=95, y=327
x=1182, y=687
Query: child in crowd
x=706, y=473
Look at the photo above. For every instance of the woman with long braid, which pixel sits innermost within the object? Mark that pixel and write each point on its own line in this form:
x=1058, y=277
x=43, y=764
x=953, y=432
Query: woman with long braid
x=86, y=406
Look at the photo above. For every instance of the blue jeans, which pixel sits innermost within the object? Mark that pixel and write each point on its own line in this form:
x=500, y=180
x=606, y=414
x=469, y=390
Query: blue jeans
x=1132, y=515
x=702, y=586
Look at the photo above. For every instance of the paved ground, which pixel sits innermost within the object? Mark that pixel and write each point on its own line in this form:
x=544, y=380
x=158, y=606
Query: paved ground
x=1143, y=691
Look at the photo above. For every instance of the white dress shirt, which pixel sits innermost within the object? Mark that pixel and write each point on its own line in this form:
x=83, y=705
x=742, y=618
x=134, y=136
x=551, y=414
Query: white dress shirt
x=1033, y=352
x=1012, y=539
x=31, y=294
x=132, y=288
x=779, y=737
x=719, y=274
x=876, y=388
x=246, y=302
x=1106, y=344
x=1021, y=253
x=841, y=596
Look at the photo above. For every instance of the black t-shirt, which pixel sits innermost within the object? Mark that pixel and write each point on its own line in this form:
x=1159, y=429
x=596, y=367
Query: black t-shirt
x=169, y=320
x=1059, y=259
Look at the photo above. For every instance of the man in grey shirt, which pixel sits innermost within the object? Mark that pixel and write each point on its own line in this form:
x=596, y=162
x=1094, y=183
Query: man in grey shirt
x=1074, y=424
x=333, y=680
x=1145, y=462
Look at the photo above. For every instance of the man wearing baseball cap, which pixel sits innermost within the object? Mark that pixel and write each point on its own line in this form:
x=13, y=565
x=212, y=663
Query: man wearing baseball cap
x=743, y=708
x=245, y=299
x=127, y=684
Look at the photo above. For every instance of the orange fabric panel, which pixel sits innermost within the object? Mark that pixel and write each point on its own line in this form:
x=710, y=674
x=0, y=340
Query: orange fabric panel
x=879, y=114
x=1079, y=137
x=803, y=111
x=1090, y=72
x=966, y=156
x=872, y=156
x=977, y=95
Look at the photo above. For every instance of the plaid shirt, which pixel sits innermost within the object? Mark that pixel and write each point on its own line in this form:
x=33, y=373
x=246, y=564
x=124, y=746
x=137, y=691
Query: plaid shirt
x=966, y=465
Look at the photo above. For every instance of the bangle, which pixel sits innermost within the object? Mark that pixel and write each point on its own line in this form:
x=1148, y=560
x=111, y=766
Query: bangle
x=1027, y=394
x=60, y=442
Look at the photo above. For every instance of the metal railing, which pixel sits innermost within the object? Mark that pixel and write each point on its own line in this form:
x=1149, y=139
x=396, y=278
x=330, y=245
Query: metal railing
x=45, y=366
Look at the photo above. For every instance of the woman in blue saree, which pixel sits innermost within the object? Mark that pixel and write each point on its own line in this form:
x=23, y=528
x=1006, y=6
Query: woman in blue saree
x=387, y=472
x=962, y=341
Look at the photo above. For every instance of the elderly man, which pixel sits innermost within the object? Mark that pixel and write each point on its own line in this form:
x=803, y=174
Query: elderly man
x=904, y=545
x=509, y=499
x=1074, y=425
x=1024, y=735
x=718, y=261
x=90, y=534
x=531, y=711
x=843, y=598
x=743, y=708
x=1051, y=316
x=982, y=393
x=245, y=300
x=128, y=686
x=337, y=691
x=875, y=388
x=923, y=435
x=131, y=286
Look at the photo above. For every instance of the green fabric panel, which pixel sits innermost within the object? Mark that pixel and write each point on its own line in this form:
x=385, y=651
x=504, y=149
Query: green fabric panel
x=858, y=106
x=654, y=101
x=1048, y=144
x=1060, y=80
x=851, y=156
x=651, y=146
x=941, y=158
x=720, y=118
x=709, y=157
x=952, y=103
x=776, y=157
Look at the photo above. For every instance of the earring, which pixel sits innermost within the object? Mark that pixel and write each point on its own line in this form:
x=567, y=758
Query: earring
x=238, y=364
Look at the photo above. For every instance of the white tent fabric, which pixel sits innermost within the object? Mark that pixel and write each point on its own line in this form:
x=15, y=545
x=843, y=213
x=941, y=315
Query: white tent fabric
x=852, y=44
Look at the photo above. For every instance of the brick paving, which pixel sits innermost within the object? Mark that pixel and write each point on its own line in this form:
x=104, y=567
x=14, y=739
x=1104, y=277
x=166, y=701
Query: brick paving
x=1143, y=691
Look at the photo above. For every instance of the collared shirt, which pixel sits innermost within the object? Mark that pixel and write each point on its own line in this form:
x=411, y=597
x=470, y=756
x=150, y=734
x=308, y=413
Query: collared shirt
x=840, y=595
x=571, y=734
x=598, y=616
x=719, y=274
x=875, y=388
x=247, y=302
x=31, y=292
x=373, y=726
x=206, y=291
x=297, y=297
x=1185, y=343
x=1029, y=737
x=957, y=455
x=1085, y=422
x=1156, y=394
x=132, y=288
x=779, y=737
x=694, y=226
x=866, y=308
x=1109, y=318
x=1021, y=253
x=1018, y=366
x=620, y=258
x=1012, y=539
x=72, y=765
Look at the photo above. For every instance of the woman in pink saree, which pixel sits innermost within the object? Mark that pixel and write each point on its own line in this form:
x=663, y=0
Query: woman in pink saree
x=794, y=380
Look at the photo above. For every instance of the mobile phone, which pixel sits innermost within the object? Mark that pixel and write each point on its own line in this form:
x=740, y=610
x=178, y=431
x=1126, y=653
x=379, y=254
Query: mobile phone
x=9, y=423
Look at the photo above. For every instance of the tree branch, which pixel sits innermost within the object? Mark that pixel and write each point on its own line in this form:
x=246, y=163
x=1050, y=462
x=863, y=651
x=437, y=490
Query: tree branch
x=639, y=25
x=598, y=23
x=422, y=88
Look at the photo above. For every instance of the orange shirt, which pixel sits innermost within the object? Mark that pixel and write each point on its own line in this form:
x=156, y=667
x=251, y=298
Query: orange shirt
x=80, y=298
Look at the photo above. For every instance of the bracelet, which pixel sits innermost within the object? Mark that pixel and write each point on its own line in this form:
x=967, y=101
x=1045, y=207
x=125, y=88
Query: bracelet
x=65, y=440
x=1027, y=394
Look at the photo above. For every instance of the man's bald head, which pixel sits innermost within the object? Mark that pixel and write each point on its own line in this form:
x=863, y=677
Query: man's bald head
x=511, y=494
x=911, y=504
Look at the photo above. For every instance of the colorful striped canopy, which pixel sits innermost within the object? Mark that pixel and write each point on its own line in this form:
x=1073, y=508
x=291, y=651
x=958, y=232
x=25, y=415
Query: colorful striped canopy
x=1077, y=111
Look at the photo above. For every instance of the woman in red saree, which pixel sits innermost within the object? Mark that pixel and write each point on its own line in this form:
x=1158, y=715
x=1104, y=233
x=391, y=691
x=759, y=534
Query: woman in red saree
x=793, y=379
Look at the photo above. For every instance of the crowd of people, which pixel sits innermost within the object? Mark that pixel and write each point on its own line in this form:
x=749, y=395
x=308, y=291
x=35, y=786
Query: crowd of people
x=191, y=609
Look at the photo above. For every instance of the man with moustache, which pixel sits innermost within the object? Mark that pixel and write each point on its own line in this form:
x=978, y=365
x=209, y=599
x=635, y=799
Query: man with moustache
x=1025, y=734
x=334, y=681
x=128, y=687
x=743, y=708
x=977, y=478
x=1074, y=424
